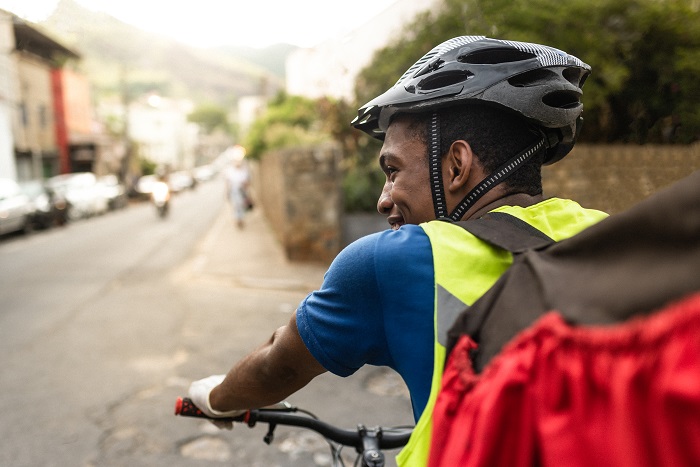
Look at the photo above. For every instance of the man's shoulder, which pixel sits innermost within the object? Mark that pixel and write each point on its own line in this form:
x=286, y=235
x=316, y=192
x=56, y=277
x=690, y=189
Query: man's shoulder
x=406, y=234
x=406, y=240
x=396, y=246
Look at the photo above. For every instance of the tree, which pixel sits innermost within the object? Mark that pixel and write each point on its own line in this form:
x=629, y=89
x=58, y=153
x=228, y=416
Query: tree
x=210, y=117
x=289, y=121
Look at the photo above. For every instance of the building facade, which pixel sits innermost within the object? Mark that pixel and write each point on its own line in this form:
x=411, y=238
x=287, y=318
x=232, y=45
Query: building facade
x=36, y=148
x=77, y=142
x=159, y=129
x=8, y=96
x=45, y=109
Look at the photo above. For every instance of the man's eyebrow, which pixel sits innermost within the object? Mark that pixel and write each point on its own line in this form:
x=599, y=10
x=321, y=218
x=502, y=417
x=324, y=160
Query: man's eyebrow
x=386, y=158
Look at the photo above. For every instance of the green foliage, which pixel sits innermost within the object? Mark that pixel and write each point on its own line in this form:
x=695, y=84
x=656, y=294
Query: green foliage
x=210, y=117
x=361, y=187
x=293, y=121
x=290, y=121
x=147, y=166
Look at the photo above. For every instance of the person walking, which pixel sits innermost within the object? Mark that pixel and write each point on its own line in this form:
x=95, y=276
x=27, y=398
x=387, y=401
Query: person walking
x=237, y=185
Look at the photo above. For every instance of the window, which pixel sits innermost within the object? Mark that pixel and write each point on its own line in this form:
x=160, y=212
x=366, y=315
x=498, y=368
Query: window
x=23, y=114
x=43, y=120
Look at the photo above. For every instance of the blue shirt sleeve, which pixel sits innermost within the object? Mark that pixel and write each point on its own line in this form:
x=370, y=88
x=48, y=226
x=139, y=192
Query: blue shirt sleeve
x=376, y=307
x=341, y=323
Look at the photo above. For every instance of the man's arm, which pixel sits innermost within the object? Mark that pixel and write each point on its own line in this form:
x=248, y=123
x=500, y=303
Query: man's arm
x=269, y=374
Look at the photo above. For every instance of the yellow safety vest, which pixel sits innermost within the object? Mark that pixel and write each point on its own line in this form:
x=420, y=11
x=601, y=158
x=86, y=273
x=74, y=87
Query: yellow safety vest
x=465, y=268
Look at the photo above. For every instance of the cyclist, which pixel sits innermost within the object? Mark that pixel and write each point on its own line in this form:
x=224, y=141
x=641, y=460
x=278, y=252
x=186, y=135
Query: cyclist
x=466, y=130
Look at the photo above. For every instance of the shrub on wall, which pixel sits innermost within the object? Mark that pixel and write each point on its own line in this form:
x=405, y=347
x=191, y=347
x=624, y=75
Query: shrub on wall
x=289, y=121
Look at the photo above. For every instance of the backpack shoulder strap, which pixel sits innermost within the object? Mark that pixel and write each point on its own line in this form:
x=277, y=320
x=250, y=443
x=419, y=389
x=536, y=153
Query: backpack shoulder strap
x=506, y=231
x=501, y=230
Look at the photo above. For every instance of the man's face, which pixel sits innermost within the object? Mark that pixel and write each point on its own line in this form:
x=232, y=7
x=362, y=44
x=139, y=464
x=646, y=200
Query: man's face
x=406, y=197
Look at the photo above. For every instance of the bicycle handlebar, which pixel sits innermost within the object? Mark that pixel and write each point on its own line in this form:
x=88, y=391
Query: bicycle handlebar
x=284, y=416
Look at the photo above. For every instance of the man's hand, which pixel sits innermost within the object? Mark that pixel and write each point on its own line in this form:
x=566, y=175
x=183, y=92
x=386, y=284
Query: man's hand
x=199, y=393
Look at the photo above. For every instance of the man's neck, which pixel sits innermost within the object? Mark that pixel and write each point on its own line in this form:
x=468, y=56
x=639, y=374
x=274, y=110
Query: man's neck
x=515, y=199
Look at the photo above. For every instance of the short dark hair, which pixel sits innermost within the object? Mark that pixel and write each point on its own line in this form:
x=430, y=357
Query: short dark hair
x=494, y=135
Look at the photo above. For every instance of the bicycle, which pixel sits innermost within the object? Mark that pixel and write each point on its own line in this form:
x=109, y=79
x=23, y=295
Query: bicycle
x=368, y=442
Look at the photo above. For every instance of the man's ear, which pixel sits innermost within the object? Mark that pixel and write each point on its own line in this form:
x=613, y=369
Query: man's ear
x=459, y=165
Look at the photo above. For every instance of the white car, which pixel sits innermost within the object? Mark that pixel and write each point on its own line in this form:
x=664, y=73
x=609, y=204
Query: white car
x=15, y=207
x=113, y=190
x=204, y=173
x=144, y=186
x=179, y=181
x=86, y=197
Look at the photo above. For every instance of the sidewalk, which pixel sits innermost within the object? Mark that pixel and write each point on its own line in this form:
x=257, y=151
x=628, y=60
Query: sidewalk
x=250, y=257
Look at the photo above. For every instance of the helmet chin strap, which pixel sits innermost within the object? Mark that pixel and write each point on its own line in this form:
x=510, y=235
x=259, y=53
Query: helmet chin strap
x=497, y=177
x=435, y=161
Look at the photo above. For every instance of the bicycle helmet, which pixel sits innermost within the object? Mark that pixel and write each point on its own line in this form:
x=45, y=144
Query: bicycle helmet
x=540, y=83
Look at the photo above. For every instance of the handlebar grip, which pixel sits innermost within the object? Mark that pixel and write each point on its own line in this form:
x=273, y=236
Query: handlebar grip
x=186, y=408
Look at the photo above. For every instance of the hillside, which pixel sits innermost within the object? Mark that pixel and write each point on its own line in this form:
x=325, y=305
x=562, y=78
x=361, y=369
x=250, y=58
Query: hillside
x=114, y=52
x=270, y=58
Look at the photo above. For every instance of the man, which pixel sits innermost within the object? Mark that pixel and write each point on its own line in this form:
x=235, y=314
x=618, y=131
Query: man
x=466, y=130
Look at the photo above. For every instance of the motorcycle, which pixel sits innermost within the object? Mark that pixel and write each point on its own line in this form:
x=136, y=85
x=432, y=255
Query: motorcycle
x=160, y=196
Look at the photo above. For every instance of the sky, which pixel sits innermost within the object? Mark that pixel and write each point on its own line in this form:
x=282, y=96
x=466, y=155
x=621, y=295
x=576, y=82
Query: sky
x=205, y=23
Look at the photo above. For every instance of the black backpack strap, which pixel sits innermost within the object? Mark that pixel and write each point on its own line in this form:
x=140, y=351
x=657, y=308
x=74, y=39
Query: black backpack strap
x=501, y=230
x=506, y=231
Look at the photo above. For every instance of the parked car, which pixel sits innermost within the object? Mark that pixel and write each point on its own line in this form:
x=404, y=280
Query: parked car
x=48, y=207
x=85, y=195
x=15, y=208
x=204, y=173
x=180, y=180
x=144, y=186
x=114, y=191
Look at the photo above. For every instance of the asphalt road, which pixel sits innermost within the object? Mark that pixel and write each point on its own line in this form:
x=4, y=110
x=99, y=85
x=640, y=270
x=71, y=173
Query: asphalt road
x=105, y=322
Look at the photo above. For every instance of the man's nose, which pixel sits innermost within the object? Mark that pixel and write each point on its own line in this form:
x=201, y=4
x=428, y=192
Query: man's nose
x=385, y=203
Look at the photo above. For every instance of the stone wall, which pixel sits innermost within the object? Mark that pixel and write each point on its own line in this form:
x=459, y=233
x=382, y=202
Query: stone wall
x=300, y=191
x=614, y=177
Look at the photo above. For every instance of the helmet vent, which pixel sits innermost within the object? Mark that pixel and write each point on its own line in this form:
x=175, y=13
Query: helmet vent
x=533, y=78
x=495, y=56
x=445, y=79
x=575, y=76
x=562, y=100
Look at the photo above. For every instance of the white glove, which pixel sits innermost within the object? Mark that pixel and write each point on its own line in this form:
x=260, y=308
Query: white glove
x=199, y=393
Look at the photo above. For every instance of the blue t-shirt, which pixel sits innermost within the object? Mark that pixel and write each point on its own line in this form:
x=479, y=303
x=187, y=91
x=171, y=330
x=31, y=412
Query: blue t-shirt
x=376, y=307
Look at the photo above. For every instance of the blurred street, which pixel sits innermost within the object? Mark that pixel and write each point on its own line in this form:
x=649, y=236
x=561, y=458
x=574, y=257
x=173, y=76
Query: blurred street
x=105, y=322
